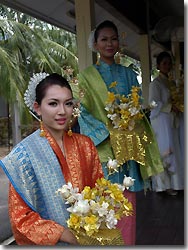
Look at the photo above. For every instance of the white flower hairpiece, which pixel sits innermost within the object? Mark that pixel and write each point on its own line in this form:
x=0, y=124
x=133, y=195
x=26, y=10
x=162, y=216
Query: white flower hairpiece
x=91, y=41
x=30, y=95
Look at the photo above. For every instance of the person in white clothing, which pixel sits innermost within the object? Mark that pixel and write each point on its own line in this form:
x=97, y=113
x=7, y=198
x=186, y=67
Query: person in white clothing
x=165, y=120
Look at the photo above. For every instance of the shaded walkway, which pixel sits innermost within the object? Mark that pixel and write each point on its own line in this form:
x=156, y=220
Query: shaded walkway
x=160, y=219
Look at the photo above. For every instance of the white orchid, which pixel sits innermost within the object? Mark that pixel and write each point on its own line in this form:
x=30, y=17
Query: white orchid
x=73, y=197
x=111, y=220
x=112, y=165
x=103, y=209
x=124, y=105
x=68, y=193
x=153, y=104
x=80, y=207
x=76, y=112
x=131, y=125
x=133, y=111
x=112, y=116
x=109, y=107
x=65, y=193
x=121, y=187
x=128, y=181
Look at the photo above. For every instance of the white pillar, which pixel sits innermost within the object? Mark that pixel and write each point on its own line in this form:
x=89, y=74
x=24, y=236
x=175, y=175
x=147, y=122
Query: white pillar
x=85, y=13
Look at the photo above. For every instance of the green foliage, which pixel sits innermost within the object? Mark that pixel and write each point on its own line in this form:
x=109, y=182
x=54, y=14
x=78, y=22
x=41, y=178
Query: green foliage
x=28, y=46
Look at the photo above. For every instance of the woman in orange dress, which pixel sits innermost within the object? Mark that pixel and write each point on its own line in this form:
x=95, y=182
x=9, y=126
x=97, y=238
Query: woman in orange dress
x=44, y=161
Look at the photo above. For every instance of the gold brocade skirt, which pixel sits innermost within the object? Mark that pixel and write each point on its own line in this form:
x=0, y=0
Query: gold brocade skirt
x=110, y=237
x=130, y=145
x=139, y=145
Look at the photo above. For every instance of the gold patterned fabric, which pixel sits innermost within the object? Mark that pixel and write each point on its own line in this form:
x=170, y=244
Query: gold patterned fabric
x=129, y=145
x=108, y=237
x=139, y=145
x=27, y=226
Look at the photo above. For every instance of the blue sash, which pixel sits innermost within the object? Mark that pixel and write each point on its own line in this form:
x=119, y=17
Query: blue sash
x=33, y=169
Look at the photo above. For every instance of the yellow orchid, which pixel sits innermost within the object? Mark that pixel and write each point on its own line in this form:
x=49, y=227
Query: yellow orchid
x=113, y=85
x=111, y=97
x=74, y=220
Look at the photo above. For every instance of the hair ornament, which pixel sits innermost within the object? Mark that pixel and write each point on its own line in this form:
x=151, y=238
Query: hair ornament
x=30, y=94
x=91, y=41
x=76, y=112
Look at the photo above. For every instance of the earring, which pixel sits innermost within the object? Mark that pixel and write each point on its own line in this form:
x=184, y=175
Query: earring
x=42, y=132
x=98, y=61
x=118, y=58
x=70, y=130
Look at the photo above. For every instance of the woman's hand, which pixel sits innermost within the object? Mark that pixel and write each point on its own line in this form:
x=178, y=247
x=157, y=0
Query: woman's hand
x=68, y=236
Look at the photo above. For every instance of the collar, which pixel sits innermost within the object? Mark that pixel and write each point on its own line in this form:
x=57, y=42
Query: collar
x=106, y=66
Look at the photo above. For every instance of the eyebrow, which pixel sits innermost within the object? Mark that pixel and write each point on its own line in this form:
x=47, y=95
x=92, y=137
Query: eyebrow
x=54, y=99
x=108, y=36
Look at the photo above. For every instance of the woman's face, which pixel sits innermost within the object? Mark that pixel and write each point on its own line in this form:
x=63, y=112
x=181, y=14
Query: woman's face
x=165, y=65
x=107, y=43
x=56, y=108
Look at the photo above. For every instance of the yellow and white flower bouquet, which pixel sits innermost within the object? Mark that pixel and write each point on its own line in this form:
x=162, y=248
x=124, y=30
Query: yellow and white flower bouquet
x=94, y=212
x=124, y=111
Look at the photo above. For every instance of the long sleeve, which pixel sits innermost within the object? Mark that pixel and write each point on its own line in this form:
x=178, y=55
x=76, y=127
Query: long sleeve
x=27, y=226
x=159, y=94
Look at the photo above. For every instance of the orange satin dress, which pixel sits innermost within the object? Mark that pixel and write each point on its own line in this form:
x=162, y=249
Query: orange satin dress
x=27, y=226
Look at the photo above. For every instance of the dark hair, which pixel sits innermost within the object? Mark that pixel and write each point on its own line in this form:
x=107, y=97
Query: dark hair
x=161, y=56
x=105, y=24
x=52, y=79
